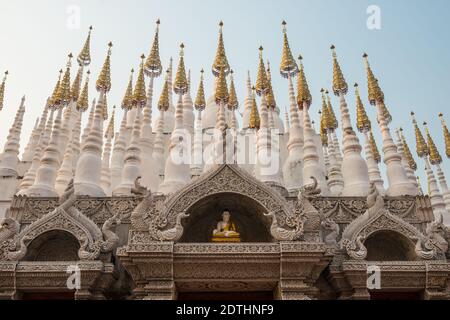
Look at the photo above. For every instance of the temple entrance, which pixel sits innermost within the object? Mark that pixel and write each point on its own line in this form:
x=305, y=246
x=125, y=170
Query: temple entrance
x=227, y=296
x=246, y=216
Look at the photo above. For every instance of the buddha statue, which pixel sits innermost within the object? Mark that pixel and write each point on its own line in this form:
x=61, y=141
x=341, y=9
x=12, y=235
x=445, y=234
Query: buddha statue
x=226, y=230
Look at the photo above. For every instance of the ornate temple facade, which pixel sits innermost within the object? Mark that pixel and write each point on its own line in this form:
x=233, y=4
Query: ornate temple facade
x=201, y=203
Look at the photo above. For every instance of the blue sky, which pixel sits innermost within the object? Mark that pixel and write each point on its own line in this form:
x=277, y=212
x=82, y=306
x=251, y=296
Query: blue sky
x=409, y=54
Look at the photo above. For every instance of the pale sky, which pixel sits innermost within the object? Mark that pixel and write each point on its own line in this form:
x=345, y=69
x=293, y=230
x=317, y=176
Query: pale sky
x=409, y=54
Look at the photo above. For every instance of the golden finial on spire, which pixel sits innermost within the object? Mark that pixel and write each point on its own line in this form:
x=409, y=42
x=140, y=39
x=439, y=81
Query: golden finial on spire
x=254, y=121
x=2, y=90
x=407, y=152
x=435, y=157
x=163, y=103
x=221, y=58
x=139, y=95
x=127, y=101
x=63, y=97
x=325, y=119
x=446, y=135
x=304, y=95
x=373, y=147
x=421, y=145
x=84, y=58
x=153, y=66
x=339, y=84
x=83, y=99
x=270, y=97
x=110, y=129
x=54, y=96
x=200, y=102
x=233, y=103
x=222, y=95
x=333, y=123
x=76, y=84
x=374, y=91
x=323, y=128
x=180, y=85
x=362, y=120
x=261, y=79
x=104, y=80
x=288, y=66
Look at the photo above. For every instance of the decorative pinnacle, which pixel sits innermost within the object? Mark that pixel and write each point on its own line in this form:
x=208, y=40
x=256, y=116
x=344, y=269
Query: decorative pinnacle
x=325, y=119
x=104, y=80
x=261, y=79
x=83, y=99
x=139, y=95
x=153, y=66
x=2, y=90
x=304, y=95
x=200, y=103
x=288, y=65
x=270, y=97
x=63, y=96
x=163, y=103
x=407, y=152
x=221, y=58
x=127, y=101
x=333, y=119
x=323, y=128
x=435, y=157
x=84, y=58
x=180, y=85
x=362, y=120
x=105, y=108
x=339, y=84
x=375, y=93
x=254, y=121
x=222, y=95
x=374, y=148
x=421, y=145
x=233, y=102
x=446, y=135
x=54, y=96
x=110, y=129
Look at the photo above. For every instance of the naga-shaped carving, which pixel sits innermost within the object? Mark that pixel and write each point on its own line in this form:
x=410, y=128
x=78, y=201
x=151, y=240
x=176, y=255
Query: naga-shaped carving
x=111, y=239
x=172, y=234
x=425, y=250
x=333, y=228
x=356, y=249
x=282, y=234
x=311, y=190
x=9, y=228
x=436, y=231
x=137, y=217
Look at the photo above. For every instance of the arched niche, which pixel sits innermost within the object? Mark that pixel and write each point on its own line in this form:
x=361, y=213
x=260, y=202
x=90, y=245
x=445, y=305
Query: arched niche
x=246, y=213
x=54, y=245
x=386, y=245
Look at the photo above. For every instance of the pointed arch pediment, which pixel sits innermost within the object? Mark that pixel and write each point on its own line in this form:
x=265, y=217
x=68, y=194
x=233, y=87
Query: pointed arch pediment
x=227, y=179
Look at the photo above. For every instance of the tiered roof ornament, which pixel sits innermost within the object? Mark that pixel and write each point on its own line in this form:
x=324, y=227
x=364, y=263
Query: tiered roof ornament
x=270, y=96
x=421, y=145
x=362, y=120
x=63, y=95
x=139, y=94
x=153, y=66
x=407, y=151
x=339, y=83
x=288, y=66
x=164, y=103
x=180, y=85
x=304, y=95
x=104, y=79
x=110, y=129
x=254, y=121
x=2, y=90
x=434, y=155
x=220, y=60
x=127, y=101
x=222, y=95
x=233, y=103
x=84, y=58
x=374, y=148
x=446, y=135
x=200, y=102
x=374, y=90
x=83, y=99
x=262, y=83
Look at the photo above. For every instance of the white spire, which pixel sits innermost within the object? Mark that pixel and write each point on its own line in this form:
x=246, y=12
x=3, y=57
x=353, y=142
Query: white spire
x=105, y=178
x=197, y=156
x=90, y=121
x=27, y=155
x=401, y=149
x=293, y=166
x=88, y=170
x=335, y=179
x=30, y=176
x=437, y=201
x=10, y=159
x=150, y=177
x=372, y=164
x=118, y=154
x=188, y=108
x=159, y=147
x=247, y=103
x=44, y=184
